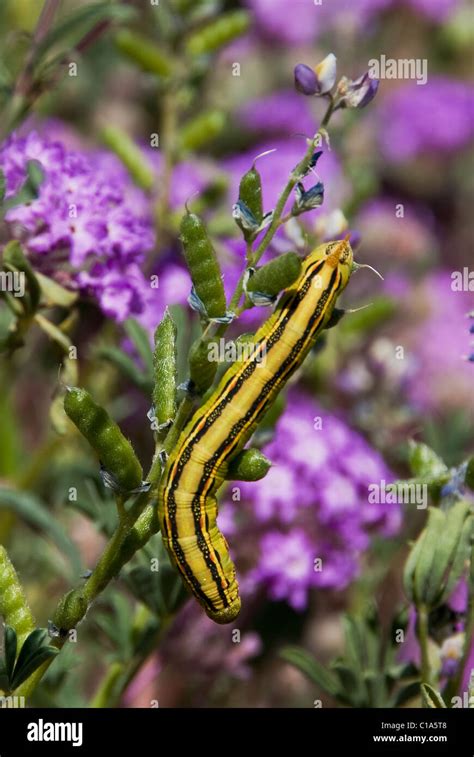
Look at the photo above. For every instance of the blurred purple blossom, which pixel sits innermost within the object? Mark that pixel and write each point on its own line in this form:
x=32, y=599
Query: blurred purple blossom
x=312, y=504
x=410, y=238
x=442, y=378
x=437, y=117
x=307, y=21
x=196, y=642
x=281, y=112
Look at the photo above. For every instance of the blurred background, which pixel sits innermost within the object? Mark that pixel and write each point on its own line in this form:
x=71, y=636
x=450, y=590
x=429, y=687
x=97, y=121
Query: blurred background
x=398, y=174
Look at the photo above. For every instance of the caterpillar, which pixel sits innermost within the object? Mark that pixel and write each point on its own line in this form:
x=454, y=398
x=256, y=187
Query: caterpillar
x=219, y=429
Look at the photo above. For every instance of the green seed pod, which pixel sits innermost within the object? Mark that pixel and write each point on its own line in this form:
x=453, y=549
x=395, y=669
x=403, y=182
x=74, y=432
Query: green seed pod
x=218, y=33
x=203, y=266
x=71, y=609
x=271, y=278
x=426, y=558
x=14, y=259
x=144, y=53
x=165, y=371
x=105, y=437
x=250, y=193
x=13, y=605
x=202, y=365
x=446, y=548
x=248, y=465
x=202, y=129
x=130, y=155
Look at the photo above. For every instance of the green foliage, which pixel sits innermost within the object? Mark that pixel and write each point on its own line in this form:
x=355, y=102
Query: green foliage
x=368, y=674
x=36, y=650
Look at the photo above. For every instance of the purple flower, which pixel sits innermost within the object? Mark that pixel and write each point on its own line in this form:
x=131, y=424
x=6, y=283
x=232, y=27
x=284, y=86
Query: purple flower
x=310, y=515
x=436, y=10
x=357, y=93
x=196, y=642
x=278, y=113
x=434, y=118
x=276, y=21
x=438, y=345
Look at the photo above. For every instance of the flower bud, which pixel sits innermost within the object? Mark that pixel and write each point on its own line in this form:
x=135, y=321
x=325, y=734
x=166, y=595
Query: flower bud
x=307, y=199
x=306, y=80
x=317, y=81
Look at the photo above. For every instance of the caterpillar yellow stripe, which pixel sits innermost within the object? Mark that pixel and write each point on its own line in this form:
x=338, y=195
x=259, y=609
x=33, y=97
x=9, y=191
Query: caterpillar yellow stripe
x=187, y=504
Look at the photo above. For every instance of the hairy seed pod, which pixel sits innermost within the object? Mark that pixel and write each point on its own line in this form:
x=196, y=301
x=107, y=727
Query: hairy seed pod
x=105, y=437
x=216, y=34
x=202, y=366
x=248, y=465
x=130, y=155
x=276, y=275
x=165, y=371
x=203, y=266
x=250, y=193
x=13, y=605
x=143, y=52
x=202, y=129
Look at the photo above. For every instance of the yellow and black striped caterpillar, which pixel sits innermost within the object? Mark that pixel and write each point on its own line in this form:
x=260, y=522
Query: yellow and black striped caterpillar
x=187, y=504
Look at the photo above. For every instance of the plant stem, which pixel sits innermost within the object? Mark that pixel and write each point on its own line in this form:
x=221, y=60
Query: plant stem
x=167, y=142
x=424, y=641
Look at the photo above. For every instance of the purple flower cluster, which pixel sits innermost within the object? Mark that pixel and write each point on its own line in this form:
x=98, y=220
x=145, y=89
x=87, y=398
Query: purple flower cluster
x=311, y=514
x=90, y=216
x=307, y=21
x=436, y=117
x=88, y=212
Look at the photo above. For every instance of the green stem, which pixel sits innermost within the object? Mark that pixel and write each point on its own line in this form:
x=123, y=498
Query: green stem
x=107, y=688
x=423, y=639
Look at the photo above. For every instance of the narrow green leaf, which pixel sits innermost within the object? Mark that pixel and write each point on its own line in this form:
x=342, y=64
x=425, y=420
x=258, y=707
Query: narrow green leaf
x=10, y=650
x=130, y=155
x=431, y=697
x=127, y=367
x=406, y=693
x=141, y=340
x=54, y=294
x=34, y=662
x=410, y=565
x=72, y=28
x=305, y=662
x=30, y=188
x=445, y=549
x=53, y=332
x=460, y=561
x=36, y=639
x=33, y=511
x=427, y=557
